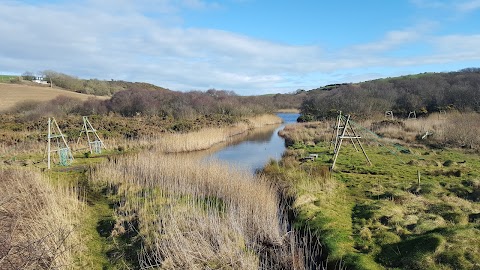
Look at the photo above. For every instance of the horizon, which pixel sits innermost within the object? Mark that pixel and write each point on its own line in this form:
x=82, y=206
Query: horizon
x=250, y=47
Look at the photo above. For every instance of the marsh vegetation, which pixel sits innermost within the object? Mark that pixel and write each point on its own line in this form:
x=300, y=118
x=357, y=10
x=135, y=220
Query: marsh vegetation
x=415, y=209
x=147, y=203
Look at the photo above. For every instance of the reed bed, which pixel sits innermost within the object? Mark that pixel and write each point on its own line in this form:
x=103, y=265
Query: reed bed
x=192, y=141
x=208, y=137
x=198, y=215
x=308, y=133
x=452, y=129
x=38, y=222
x=264, y=120
x=191, y=214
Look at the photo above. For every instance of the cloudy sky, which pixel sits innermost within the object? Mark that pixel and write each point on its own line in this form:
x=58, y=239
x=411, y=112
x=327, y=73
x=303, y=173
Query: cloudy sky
x=249, y=46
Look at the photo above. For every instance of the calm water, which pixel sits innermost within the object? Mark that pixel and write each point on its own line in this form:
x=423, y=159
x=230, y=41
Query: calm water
x=253, y=151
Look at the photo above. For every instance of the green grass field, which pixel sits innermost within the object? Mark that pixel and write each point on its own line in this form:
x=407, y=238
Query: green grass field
x=7, y=78
x=381, y=215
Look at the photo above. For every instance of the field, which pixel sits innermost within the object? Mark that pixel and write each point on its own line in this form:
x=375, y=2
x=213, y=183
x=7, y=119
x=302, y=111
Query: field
x=14, y=93
x=416, y=207
x=7, y=78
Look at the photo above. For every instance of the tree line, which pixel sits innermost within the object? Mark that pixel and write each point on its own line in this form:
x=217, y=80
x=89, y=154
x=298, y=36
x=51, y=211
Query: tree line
x=133, y=98
x=423, y=93
x=139, y=100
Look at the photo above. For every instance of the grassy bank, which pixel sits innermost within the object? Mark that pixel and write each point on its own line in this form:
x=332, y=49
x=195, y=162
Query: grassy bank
x=415, y=209
x=103, y=247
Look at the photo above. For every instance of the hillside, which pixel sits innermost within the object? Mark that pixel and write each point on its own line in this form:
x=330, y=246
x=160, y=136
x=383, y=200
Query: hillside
x=13, y=93
x=423, y=93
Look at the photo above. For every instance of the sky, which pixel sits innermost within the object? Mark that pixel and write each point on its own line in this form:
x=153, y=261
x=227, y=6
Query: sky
x=251, y=47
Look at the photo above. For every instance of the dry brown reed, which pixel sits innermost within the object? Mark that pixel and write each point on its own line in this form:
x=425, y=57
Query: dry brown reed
x=197, y=215
x=164, y=142
x=208, y=137
x=309, y=133
x=37, y=222
x=453, y=129
x=263, y=120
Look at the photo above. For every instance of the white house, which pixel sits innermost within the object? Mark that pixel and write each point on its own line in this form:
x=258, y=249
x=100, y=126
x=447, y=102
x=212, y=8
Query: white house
x=39, y=80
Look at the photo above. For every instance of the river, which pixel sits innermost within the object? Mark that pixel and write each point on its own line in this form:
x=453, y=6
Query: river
x=253, y=151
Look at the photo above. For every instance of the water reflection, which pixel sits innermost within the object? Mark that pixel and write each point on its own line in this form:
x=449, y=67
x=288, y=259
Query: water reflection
x=260, y=135
x=254, y=150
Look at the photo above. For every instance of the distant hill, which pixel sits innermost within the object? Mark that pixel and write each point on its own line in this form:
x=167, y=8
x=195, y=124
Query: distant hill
x=423, y=93
x=95, y=86
x=14, y=93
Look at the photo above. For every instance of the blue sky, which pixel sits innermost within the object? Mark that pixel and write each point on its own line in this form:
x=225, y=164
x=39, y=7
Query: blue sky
x=249, y=46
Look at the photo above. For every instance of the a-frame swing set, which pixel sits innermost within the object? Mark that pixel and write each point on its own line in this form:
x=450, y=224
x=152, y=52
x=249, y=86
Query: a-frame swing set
x=344, y=130
x=60, y=146
x=95, y=144
x=56, y=142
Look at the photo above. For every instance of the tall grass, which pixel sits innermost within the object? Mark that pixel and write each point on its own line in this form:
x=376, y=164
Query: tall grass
x=308, y=133
x=206, y=138
x=453, y=129
x=193, y=141
x=18, y=142
x=37, y=222
x=198, y=215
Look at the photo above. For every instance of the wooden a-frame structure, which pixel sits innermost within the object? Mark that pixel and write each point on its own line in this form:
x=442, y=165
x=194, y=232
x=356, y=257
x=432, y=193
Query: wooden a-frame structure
x=95, y=144
x=56, y=136
x=344, y=130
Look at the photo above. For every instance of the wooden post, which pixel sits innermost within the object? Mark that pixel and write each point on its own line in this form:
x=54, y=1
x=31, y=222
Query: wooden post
x=337, y=147
x=335, y=132
x=48, y=143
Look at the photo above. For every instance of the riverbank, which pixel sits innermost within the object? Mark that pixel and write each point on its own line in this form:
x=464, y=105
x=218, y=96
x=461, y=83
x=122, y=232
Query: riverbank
x=104, y=247
x=208, y=137
x=416, y=207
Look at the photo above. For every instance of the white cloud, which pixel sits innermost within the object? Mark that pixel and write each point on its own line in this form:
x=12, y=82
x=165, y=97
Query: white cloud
x=91, y=42
x=115, y=39
x=458, y=43
x=395, y=38
x=429, y=3
x=468, y=6
x=452, y=5
x=391, y=40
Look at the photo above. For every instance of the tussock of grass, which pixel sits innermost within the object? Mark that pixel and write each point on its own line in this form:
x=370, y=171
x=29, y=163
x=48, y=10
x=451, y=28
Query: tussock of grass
x=38, y=222
x=306, y=133
x=414, y=253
